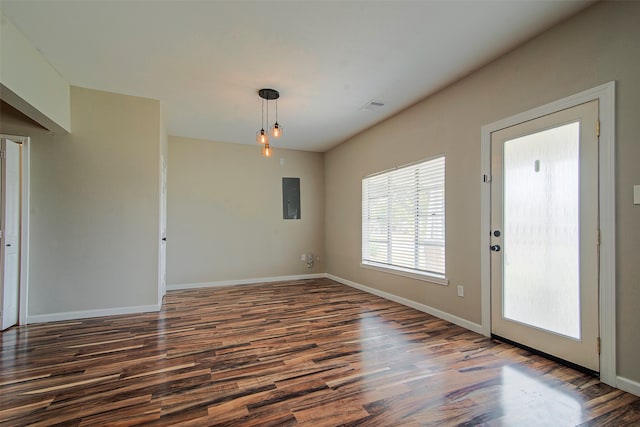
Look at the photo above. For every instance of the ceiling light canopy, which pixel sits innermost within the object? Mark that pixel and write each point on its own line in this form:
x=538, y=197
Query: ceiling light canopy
x=275, y=131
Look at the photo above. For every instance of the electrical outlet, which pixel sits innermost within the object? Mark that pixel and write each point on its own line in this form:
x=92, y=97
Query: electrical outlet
x=460, y=291
x=303, y=257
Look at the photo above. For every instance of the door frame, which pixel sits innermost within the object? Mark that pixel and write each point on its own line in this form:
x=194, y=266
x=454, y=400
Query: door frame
x=605, y=94
x=25, y=207
x=162, y=233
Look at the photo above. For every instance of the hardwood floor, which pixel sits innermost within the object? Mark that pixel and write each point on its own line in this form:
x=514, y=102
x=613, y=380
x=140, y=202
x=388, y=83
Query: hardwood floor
x=310, y=353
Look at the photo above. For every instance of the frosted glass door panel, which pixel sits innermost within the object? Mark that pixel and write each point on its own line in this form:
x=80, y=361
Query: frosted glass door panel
x=541, y=285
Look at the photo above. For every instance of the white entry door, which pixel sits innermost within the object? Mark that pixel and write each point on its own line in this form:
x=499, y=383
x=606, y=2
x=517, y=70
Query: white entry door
x=10, y=226
x=545, y=234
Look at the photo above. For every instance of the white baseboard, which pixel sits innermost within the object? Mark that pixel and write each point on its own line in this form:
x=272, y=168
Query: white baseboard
x=85, y=314
x=628, y=385
x=475, y=327
x=244, y=281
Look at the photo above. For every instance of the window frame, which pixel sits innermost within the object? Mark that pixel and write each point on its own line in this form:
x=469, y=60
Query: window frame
x=412, y=186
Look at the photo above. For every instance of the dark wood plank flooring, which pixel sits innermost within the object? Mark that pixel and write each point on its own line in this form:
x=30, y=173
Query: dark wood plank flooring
x=310, y=353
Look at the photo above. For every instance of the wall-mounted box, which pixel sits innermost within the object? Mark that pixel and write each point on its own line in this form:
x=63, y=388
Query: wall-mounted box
x=291, y=198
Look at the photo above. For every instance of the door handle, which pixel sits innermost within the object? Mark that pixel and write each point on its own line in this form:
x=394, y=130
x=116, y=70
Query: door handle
x=495, y=248
x=164, y=239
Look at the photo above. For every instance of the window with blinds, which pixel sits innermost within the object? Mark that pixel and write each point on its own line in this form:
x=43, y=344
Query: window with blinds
x=403, y=219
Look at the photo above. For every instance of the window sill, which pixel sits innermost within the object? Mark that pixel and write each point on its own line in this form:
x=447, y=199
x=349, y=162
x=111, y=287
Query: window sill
x=426, y=277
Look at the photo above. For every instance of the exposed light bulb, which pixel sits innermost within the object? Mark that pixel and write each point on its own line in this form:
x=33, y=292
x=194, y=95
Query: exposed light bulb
x=276, y=130
x=262, y=137
x=266, y=150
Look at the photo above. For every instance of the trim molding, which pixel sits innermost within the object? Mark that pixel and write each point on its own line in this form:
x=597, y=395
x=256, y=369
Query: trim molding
x=26, y=227
x=630, y=386
x=84, y=314
x=244, y=281
x=410, y=303
x=605, y=94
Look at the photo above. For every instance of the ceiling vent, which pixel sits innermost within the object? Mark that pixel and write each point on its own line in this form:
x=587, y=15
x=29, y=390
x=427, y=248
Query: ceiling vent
x=372, y=105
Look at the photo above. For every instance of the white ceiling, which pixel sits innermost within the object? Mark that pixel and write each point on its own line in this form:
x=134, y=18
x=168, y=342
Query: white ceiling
x=206, y=60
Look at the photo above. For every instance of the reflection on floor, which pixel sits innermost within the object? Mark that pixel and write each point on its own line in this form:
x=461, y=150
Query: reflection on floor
x=311, y=352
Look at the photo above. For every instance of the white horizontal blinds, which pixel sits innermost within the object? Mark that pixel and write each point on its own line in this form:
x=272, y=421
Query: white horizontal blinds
x=375, y=219
x=403, y=218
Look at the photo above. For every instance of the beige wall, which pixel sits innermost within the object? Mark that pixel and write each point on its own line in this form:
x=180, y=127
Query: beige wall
x=94, y=205
x=225, y=212
x=596, y=46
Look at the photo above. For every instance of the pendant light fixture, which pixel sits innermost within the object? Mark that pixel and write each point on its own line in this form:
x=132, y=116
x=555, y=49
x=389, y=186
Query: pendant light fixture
x=276, y=130
x=261, y=135
x=266, y=150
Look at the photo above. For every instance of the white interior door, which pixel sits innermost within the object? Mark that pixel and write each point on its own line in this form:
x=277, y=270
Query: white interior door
x=163, y=228
x=10, y=225
x=545, y=234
